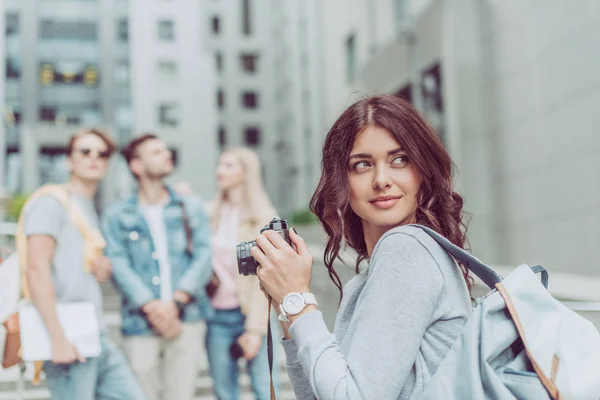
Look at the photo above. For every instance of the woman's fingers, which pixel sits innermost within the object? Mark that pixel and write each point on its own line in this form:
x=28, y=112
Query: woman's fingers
x=260, y=256
x=300, y=244
x=265, y=245
x=276, y=240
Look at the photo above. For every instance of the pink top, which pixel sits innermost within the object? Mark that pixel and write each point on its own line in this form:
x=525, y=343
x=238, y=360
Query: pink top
x=224, y=258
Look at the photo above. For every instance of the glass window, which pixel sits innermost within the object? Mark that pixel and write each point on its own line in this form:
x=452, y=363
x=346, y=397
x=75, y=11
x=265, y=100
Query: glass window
x=167, y=68
x=71, y=30
x=123, y=30
x=252, y=135
x=168, y=114
x=350, y=58
x=12, y=24
x=13, y=68
x=220, y=99
x=166, y=30
x=216, y=25
x=222, y=136
x=250, y=99
x=219, y=61
x=246, y=25
x=249, y=62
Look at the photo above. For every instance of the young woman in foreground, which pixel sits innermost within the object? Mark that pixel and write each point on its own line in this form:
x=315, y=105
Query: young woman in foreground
x=383, y=168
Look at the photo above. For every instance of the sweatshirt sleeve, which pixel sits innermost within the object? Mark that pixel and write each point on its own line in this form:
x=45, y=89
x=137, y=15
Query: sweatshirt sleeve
x=394, y=310
x=295, y=371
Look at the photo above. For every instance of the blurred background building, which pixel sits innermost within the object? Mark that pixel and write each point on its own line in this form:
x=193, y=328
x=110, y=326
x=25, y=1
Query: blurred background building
x=69, y=65
x=511, y=86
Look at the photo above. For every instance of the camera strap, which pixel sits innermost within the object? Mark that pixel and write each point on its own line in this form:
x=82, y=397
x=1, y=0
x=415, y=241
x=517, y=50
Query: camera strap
x=270, y=351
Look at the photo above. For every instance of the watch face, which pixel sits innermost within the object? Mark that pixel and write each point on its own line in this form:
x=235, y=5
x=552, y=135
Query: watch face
x=293, y=303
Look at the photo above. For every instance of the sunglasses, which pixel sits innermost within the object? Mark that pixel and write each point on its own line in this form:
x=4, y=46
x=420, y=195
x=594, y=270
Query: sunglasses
x=88, y=153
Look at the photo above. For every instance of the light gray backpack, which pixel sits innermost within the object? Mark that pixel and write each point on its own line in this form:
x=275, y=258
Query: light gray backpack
x=520, y=342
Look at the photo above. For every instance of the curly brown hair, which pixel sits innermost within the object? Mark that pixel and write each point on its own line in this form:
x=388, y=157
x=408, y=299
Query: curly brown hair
x=439, y=207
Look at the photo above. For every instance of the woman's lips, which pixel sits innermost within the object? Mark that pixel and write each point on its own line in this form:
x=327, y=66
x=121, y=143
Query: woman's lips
x=385, y=202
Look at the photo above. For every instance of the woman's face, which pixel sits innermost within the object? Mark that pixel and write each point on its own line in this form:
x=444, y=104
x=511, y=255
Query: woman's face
x=383, y=181
x=230, y=172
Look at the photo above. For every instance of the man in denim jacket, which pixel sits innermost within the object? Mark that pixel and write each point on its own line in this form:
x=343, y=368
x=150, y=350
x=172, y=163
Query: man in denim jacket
x=159, y=245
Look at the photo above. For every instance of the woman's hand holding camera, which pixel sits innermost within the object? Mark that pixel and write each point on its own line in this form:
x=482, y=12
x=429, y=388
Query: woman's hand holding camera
x=282, y=269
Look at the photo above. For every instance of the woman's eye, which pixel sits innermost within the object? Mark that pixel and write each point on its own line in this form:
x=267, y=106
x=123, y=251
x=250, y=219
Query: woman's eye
x=361, y=165
x=400, y=160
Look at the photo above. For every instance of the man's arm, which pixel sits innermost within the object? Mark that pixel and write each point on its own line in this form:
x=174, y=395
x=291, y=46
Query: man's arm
x=40, y=252
x=43, y=223
x=200, y=271
x=127, y=280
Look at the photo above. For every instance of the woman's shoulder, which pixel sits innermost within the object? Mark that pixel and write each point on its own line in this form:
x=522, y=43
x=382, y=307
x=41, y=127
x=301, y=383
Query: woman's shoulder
x=397, y=239
x=414, y=246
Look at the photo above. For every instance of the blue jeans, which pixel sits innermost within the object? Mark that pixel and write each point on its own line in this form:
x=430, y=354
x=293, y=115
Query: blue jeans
x=222, y=330
x=106, y=377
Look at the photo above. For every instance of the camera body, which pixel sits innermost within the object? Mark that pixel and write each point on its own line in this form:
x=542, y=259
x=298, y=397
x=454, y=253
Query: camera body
x=247, y=265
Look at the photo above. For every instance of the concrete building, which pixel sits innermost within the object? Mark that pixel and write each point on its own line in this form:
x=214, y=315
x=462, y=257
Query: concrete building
x=239, y=38
x=297, y=108
x=173, y=84
x=512, y=88
x=69, y=66
x=267, y=54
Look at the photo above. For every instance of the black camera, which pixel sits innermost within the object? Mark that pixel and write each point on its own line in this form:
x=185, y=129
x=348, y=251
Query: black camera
x=246, y=263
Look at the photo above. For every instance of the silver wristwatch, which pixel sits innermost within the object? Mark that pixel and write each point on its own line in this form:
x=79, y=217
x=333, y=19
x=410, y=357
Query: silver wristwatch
x=294, y=303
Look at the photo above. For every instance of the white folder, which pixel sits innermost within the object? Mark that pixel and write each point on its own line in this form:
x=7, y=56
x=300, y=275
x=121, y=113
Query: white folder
x=79, y=323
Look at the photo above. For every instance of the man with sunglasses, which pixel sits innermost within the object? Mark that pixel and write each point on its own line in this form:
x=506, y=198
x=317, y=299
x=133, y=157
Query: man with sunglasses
x=57, y=271
x=159, y=245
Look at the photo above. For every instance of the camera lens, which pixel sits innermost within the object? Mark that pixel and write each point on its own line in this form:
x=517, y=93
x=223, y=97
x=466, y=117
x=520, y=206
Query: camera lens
x=246, y=263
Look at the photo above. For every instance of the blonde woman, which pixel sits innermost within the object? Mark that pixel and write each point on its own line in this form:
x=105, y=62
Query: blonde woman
x=239, y=327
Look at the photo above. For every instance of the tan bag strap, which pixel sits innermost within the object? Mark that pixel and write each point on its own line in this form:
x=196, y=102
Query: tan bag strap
x=61, y=193
x=549, y=383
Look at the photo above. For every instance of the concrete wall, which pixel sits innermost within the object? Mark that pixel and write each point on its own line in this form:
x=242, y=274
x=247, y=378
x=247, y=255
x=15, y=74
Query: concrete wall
x=547, y=91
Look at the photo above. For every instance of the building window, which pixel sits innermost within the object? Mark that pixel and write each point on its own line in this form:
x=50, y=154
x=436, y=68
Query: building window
x=167, y=69
x=12, y=25
x=350, y=58
x=220, y=99
x=216, y=25
x=222, y=136
x=249, y=62
x=166, y=30
x=47, y=114
x=219, y=61
x=252, y=136
x=13, y=68
x=246, y=25
x=51, y=29
x=123, y=30
x=250, y=99
x=168, y=115
x=400, y=14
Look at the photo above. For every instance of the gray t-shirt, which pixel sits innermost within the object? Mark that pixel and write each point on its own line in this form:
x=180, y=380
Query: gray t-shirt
x=396, y=323
x=47, y=216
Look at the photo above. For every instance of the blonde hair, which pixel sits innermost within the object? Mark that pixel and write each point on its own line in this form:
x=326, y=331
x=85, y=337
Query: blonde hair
x=258, y=209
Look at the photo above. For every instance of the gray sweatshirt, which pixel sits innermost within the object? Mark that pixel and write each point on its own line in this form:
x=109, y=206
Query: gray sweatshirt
x=398, y=319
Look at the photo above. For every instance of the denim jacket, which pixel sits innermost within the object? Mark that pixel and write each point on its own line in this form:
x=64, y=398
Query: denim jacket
x=135, y=265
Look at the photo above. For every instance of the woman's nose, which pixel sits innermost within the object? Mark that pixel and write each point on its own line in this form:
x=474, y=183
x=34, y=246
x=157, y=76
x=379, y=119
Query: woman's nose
x=382, y=178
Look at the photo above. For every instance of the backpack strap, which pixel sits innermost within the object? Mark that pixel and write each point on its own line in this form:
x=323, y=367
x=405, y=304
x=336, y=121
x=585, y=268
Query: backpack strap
x=483, y=272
